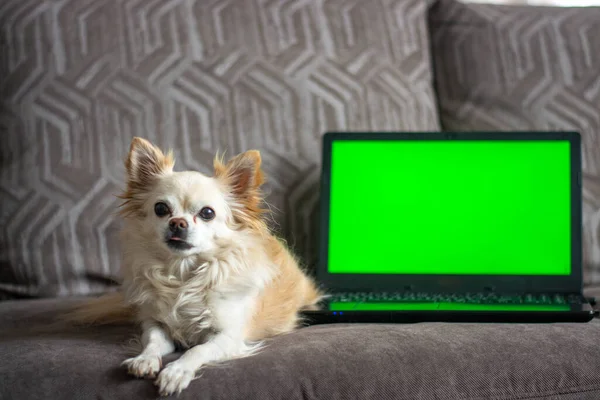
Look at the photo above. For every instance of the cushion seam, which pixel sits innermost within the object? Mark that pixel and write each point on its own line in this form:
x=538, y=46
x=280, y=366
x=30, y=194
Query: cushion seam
x=537, y=395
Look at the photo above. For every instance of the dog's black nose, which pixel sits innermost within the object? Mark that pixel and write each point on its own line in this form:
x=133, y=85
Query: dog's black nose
x=178, y=224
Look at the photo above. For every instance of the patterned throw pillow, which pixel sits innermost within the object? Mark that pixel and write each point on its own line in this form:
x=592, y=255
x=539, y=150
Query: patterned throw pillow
x=524, y=68
x=82, y=77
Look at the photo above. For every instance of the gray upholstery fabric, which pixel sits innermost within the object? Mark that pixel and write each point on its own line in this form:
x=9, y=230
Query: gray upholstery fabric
x=524, y=68
x=81, y=78
x=416, y=361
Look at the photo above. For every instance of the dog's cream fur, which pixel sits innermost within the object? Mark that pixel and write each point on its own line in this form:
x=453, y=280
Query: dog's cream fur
x=236, y=285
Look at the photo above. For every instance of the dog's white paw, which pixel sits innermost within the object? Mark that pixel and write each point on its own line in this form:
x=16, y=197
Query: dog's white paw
x=174, y=378
x=143, y=366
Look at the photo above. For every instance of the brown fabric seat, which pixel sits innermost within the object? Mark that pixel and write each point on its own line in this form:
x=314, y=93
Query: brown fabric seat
x=424, y=361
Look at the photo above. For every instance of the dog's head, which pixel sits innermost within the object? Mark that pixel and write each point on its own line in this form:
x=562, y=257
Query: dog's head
x=188, y=213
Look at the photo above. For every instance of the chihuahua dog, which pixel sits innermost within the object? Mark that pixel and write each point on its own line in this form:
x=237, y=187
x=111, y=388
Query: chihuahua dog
x=200, y=267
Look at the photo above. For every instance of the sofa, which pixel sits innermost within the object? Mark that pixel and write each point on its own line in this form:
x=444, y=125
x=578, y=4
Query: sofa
x=80, y=78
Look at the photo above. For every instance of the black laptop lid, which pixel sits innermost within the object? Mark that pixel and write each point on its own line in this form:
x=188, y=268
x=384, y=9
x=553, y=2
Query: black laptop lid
x=451, y=212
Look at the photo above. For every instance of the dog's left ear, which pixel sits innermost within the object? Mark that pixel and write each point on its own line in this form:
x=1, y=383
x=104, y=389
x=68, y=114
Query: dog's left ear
x=242, y=174
x=146, y=161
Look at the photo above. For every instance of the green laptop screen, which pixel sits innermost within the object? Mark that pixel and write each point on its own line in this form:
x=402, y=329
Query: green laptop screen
x=450, y=207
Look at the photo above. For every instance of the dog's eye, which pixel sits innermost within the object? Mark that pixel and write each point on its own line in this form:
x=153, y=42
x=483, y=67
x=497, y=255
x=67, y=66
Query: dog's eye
x=161, y=209
x=207, y=213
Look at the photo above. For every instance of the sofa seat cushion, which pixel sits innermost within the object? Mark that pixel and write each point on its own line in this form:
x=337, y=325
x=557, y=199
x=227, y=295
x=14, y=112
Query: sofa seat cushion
x=363, y=361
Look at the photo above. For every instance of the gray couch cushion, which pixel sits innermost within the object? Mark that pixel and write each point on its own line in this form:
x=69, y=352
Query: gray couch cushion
x=82, y=77
x=524, y=68
x=416, y=361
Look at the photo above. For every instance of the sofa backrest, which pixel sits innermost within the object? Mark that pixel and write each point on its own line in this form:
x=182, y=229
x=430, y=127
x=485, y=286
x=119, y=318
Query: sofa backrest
x=82, y=77
x=525, y=68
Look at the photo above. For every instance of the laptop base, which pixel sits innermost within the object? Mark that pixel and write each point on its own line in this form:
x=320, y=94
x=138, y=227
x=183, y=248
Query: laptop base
x=374, y=308
x=379, y=317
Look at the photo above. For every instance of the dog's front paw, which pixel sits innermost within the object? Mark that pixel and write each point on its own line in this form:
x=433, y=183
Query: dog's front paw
x=174, y=378
x=143, y=366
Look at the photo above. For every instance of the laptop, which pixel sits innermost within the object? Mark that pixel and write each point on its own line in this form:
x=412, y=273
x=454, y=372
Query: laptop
x=454, y=227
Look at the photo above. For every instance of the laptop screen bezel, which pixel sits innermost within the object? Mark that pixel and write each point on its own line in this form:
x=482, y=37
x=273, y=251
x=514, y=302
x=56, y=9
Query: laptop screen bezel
x=453, y=283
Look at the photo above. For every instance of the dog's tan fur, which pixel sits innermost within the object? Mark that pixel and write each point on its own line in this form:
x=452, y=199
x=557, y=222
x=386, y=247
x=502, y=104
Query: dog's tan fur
x=237, y=285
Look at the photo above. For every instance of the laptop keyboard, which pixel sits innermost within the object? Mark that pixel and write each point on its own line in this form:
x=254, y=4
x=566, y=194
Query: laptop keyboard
x=468, y=298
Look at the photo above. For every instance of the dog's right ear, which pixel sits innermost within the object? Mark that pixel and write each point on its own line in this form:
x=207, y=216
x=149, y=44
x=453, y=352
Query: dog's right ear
x=146, y=161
